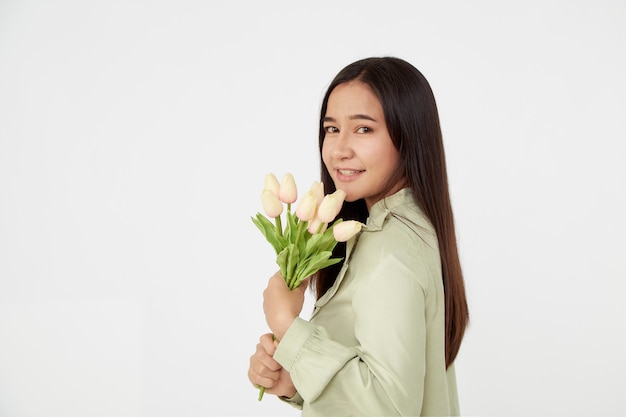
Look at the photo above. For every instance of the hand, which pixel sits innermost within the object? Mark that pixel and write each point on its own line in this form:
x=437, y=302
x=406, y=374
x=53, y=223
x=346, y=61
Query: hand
x=266, y=372
x=282, y=305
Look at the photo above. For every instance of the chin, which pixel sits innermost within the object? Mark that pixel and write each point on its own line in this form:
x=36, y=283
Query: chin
x=351, y=198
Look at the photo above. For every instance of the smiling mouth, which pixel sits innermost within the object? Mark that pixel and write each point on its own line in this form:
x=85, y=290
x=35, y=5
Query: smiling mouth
x=349, y=171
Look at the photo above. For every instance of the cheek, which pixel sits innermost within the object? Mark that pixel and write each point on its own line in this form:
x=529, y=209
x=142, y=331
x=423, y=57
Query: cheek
x=389, y=154
x=391, y=161
x=325, y=154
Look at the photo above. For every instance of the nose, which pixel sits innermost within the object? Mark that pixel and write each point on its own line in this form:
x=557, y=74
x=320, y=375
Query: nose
x=342, y=147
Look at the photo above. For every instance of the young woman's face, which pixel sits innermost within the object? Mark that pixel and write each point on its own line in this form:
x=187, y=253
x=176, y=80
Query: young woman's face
x=357, y=149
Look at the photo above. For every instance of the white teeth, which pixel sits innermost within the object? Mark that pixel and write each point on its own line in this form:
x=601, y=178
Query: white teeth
x=348, y=172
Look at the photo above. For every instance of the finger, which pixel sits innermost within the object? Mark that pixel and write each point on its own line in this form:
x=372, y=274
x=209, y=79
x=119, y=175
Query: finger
x=269, y=345
x=258, y=372
x=263, y=381
x=267, y=336
x=262, y=362
x=265, y=362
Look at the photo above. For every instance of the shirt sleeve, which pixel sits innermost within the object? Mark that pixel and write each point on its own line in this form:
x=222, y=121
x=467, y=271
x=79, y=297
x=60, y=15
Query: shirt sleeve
x=384, y=373
x=295, y=401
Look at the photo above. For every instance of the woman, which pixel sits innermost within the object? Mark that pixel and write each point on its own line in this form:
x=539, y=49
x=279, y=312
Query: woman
x=388, y=323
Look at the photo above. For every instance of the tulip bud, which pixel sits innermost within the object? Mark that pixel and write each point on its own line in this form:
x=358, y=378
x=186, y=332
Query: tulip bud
x=288, y=192
x=330, y=206
x=307, y=206
x=271, y=183
x=271, y=204
x=315, y=224
x=343, y=231
x=318, y=190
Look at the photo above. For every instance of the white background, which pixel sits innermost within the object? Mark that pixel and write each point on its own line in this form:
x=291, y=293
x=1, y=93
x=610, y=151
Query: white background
x=134, y=139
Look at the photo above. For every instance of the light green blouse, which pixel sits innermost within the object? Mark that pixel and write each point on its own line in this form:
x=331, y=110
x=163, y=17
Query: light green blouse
x=375, y=343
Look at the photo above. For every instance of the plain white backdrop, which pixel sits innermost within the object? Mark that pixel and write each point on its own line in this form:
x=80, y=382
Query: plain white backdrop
x=134, y=139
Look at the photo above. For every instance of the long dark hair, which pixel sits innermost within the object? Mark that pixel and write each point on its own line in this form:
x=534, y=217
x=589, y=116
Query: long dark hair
x=413, y=123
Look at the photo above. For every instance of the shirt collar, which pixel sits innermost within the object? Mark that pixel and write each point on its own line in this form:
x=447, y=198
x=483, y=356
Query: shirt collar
x=380, y=210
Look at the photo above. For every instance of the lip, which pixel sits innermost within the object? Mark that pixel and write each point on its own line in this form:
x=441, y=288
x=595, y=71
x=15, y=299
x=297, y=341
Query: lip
x=348, y=174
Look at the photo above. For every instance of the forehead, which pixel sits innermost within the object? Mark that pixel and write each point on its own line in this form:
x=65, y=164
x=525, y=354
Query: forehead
x=353, y=97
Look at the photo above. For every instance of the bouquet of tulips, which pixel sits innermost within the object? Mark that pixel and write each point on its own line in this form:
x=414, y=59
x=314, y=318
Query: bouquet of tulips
x=304, y=245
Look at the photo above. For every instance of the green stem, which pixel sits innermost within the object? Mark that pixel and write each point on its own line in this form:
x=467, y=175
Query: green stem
x=292, y=280
x=279, y=226
x=261, y=392
x=299, y=232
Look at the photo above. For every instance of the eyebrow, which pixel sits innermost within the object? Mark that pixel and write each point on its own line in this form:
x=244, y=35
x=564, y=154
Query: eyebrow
x=352, y=117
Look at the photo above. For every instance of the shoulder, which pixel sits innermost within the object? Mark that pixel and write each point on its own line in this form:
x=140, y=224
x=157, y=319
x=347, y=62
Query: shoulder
x=403, y=225
x=399, y=216
x=404, y=248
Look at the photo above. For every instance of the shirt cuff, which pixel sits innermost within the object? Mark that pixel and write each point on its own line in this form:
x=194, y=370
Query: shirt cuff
x=295, y=401
x=292, y=342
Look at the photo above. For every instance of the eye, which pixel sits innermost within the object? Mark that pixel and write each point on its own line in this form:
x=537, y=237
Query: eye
x=331, y=129
x=363, y=129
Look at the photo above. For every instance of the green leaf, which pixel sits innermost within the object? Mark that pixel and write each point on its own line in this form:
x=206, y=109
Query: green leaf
x=281, y=260
x=300, y=254
x=292, y=263
x=291, y=228
x=312, y=245
x=303, y=235
x=269, y=231
x=319, y=261
x=327, y=241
